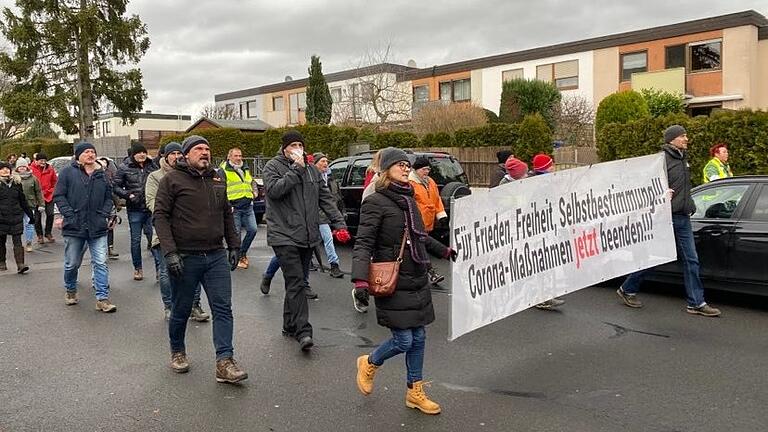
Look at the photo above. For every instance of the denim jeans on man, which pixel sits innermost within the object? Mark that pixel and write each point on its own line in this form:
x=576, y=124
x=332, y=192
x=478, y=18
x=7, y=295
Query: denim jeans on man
x=165, y=279
x=29, y=230
x=409, y=341
x=246, y=218
x=212, y=270
x=139, y=221
x=330, y=249
x=74, y=249
x=686, y=254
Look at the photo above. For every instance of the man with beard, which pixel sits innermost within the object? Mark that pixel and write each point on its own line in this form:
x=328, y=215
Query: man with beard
x=240, y=196
x=193, y=217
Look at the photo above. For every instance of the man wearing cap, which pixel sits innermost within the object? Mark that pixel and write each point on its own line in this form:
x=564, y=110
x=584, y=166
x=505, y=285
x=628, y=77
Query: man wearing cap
x=328, y=182
x=84, y=198
x=294, y=194
x=171, y=154
x=679, y=178
x=130, y=181
x=193, y=219
x=427, y=197
x=47, y=177
x=240, y=196
x=717, y=167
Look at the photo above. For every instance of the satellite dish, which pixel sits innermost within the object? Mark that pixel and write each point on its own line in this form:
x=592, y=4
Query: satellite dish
x=288, y=78
x=412, y=63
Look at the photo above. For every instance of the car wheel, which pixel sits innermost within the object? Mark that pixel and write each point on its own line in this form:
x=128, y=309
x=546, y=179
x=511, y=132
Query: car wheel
x=453, y=190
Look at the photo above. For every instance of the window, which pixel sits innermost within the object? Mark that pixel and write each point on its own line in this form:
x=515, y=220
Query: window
x=252, y=110
x=297, y=102
x=544, y=72
x=456, y=91
x=106, y=128
x=509, y=75
x=705, y=56
x=357, y=174
x=674, y=56
x=337, y=170
x=243, y=110
x=230, y=108
x=278, y=104
x=336, y=94
x=368, y=91
x=718, y=202
x=760, y=212
x=567, y=75
x=633, y=63
x=421, y=94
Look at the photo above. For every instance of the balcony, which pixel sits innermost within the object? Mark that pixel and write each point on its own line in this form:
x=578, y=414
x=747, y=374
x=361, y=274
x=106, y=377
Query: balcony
x=669, y=80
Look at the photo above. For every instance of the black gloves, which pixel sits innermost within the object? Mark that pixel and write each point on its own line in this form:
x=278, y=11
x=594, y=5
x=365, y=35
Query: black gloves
x=175, y=265
x=234, y=257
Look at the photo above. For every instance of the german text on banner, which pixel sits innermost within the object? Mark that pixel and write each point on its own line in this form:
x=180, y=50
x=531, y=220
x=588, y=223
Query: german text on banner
x=541, y=237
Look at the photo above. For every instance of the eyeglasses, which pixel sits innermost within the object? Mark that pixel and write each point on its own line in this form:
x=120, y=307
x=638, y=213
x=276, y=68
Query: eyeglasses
x=404, y=165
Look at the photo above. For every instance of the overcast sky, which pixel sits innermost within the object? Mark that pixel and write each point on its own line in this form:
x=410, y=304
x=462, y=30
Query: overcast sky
x=201, y=48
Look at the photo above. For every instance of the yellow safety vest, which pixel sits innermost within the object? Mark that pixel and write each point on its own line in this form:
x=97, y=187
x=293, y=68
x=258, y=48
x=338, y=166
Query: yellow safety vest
x=715, y=166
x=237, y=187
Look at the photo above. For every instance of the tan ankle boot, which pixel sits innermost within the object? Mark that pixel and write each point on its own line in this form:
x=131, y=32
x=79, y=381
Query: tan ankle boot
x=416, y=398
x=365, y=374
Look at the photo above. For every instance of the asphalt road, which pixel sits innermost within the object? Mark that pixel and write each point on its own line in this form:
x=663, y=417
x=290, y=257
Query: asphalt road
x=594, y=365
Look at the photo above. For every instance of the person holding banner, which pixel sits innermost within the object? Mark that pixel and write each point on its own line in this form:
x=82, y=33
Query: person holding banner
x=679, y=178
x=387, y=217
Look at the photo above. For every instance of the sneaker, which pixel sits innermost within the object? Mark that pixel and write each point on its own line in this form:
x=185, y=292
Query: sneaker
x=112, y=254
x=417, y=399
x=198, y=314
x=49, y=238
x=629, y=299
x=335, y=271
x=306, y=343
x=40, y=240
x=310, y=294
x=227, y=371
x=138, y=275
x=167, y=313
x=365, y=373
x=179, y=363
x=550, y=304
x=434, y=277
x=29, y=246
x=703, y=310
x=266, y=283
x=70, y=298
x=105, y=306
x=243, y=263
x=360, y=300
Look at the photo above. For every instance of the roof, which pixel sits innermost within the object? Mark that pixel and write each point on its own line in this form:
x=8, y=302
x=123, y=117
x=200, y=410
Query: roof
x=673, y=30
x=254, y=125
x=329, y=78
x=146, y=115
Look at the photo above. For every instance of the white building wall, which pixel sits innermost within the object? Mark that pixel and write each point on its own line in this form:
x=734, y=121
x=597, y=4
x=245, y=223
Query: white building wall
x=260, y=112
x=491, y=78
x=400, y=93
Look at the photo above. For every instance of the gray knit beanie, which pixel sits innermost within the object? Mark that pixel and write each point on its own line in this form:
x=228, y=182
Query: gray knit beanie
x=390, y=156
x=673, y=132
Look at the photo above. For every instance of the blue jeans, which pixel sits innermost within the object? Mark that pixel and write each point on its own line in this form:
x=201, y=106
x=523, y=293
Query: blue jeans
x=330, y=249
x=165, y=279
x=686, y=254
x=212, y=270
x=74, y=249
x=409, y=341
x=29, y=230
x=139, y=221
x=247, y=219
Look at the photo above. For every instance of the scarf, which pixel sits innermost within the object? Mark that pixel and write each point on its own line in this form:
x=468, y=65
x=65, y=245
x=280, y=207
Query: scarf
x=402, y=196
x=25, y=175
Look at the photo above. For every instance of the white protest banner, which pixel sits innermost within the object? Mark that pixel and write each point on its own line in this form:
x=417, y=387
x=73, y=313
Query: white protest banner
x=541, y=237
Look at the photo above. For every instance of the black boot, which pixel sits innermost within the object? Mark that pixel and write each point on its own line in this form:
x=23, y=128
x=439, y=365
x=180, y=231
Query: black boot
x=266, y=283
x=336, y=271
x=18, y=254
x=434, y=277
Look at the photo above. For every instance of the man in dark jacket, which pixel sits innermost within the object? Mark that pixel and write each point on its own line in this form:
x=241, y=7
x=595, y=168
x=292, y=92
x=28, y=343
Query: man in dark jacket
x=129, y=184
x=499, y=171
x=293, y=197
x=193, y=218
x=84, y=198
x=679, y=178
x=47, y=177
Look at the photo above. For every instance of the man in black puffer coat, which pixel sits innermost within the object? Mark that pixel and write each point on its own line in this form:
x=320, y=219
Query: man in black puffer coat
x=129, y=184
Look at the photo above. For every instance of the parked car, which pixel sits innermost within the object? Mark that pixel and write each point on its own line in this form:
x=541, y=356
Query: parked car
x=349, y=172
x=60, y=162
x=731, y=231
x=259, y=203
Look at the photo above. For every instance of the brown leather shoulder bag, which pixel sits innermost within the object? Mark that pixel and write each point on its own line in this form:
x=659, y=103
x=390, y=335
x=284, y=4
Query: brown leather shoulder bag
x=382, y=276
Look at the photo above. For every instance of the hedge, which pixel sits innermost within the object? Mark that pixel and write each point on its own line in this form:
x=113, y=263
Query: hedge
x=50, y=146
x=621, y=107
x=745, y=132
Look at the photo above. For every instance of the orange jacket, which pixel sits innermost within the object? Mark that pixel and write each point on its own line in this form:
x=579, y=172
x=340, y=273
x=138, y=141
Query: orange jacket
x=428, y=200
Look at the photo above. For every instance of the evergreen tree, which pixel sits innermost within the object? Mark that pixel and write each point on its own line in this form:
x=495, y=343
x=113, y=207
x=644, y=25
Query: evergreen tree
x=70, y=55
x=319, y=103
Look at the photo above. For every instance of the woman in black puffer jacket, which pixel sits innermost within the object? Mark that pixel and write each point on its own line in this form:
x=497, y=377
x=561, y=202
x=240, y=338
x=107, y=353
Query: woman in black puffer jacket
x=384, y=217
x=13, y=206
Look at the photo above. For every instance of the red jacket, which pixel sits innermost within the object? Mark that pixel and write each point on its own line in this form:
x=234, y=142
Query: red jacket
x=47, y=178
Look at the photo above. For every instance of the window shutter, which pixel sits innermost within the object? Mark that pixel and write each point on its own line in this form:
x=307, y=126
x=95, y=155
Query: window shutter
x=567, y=69
x=544, y=72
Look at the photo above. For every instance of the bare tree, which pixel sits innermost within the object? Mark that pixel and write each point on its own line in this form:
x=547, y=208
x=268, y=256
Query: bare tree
x=8, y=128
x=375, y=96
x=574, y=121
x=437, y=116
x=219, y=112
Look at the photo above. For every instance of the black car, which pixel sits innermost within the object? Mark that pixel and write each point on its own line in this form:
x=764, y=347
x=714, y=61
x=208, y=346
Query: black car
x=731, y=231
x=349, y=172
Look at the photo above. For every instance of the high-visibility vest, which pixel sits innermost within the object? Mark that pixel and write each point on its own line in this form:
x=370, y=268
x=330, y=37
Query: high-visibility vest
x=237, y=187
x=715, y=168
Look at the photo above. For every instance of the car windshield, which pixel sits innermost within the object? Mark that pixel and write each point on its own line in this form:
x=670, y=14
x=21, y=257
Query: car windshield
x=446, y=170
